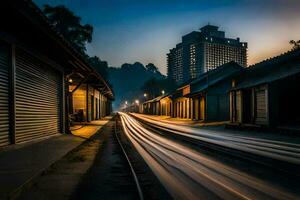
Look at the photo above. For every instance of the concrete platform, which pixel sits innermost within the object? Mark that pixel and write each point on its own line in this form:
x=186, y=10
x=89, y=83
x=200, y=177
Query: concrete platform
x=19, y=164
x=88, y=129
x=60, y=180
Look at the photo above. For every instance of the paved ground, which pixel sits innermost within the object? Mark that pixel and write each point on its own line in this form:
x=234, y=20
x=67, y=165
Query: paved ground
x=19, y=164
x=97, y=169
x=90, y=128
x=60, y=180
x=109, y=177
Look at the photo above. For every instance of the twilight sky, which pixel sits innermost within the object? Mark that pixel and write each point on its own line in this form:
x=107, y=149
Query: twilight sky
x=145, y=30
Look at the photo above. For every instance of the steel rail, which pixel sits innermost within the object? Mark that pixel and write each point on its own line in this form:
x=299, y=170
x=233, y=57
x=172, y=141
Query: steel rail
x=137, y=183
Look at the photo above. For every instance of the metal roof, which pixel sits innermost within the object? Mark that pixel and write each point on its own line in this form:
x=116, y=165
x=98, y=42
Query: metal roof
x=270, y=70
x=33, y=13
x=157, y=98
x=213, y=77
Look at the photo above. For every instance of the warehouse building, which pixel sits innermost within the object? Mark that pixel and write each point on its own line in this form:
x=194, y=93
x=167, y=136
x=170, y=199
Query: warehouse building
x=206, y=98
x=88, y=100
x=181, y=103
x=166, y=103
x=37, y=66
x=161, y=105
x=152, y=106
x=134, y=107
x=267, y=93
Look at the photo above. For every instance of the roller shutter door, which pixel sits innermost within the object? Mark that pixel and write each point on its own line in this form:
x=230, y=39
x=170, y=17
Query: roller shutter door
x=4, y=101
x=261, y=106
x=238, y=106
x=38, y=98
x=202, y=108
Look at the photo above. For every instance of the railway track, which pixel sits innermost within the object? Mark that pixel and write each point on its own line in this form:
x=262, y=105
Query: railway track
x=111, y=175
x=130, y=165
x=187, y=172
x=287, y=165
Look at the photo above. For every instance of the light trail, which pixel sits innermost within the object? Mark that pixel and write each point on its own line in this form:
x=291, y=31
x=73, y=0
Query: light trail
x=188, y=174
x=283, y=151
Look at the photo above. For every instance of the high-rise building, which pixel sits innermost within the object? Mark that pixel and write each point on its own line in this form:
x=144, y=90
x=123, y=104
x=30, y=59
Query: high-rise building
x=174, y=59
x=204, y=50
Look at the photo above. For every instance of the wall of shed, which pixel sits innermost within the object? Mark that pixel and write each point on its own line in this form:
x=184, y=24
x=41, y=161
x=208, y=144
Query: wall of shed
x=197, y=107
x=217, y=107
x=79, y=100
x=166, y=106
x=182, y=108
x=218, y=102
x=98, y=105
x=256, y=102
x=284, y=107
x=32, y=95
x=273, y=104
x=235, y=106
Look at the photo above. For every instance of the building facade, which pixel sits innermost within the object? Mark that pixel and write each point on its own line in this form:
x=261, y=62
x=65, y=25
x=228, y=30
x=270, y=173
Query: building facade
x=161, y=105
x=88, y=103
x=202, y=51
x=267, y=94
x=37, y=67
x=205, y=98
x=174, y=60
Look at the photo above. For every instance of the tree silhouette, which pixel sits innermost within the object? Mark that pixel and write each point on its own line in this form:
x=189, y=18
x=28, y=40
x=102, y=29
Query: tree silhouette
x=153, y=87
x=152, y=68
x=69, y=25
x=99, y=65
x=128, y=80
x=296, y=44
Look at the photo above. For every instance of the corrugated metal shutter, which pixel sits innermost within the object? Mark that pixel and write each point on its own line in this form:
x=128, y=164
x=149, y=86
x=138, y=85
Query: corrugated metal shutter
x=261, y=106
x=38, y=98
x=89, y=100
x=202, y=108
x=238, y=106
x=4, y=95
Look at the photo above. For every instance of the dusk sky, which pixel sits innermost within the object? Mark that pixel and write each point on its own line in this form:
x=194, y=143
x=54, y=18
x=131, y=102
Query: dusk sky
x=126, y=31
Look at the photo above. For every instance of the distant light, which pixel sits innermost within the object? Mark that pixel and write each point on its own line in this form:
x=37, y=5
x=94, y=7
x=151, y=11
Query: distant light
x=70, y=80
x=137, y=101
x=163, y=92
x=145, y=95
x=228, y=41
x=206, y=38
x=126, y=102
